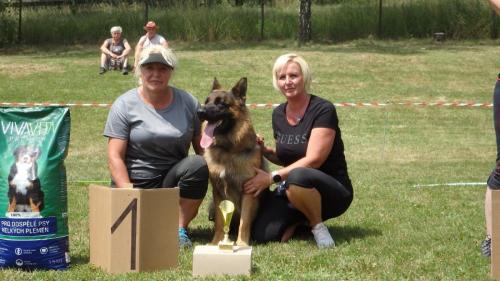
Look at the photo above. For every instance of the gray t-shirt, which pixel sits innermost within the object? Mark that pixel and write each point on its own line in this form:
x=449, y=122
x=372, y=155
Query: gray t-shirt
x=157, y=139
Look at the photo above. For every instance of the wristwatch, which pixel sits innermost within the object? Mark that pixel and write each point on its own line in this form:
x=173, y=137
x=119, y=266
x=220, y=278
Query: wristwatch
x=276, y=177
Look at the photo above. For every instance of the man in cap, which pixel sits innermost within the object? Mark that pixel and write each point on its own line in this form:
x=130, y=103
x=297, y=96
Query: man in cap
x=151, y=38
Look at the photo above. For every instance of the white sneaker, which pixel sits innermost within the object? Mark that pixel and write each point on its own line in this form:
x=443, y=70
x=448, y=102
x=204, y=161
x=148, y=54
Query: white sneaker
x=322, y=236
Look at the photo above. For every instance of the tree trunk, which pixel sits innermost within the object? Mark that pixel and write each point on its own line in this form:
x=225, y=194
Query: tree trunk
x=262, y=19
x=379, y=32
x=305, y=21
x=494, y=21
x=146, y=11
x=19, y=28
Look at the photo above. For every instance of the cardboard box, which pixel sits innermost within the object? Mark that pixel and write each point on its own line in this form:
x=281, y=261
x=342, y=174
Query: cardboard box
x=133, y=229
x=209, y=260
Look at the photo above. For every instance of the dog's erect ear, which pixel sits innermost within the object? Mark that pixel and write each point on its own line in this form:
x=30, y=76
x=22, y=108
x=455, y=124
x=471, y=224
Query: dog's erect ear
x=216, y=85
x=36, y=153
x=18, y=150
x=240, y=89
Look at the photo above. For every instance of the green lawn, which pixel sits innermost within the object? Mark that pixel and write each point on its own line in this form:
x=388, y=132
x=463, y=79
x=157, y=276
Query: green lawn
x=393, y=230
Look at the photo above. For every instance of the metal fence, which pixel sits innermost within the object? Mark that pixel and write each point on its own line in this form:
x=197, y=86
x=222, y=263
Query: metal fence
x=382, y=7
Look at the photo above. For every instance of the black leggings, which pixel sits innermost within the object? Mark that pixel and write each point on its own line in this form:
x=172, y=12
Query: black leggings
x=190, y=175
x=276, y=213
x=494, y=179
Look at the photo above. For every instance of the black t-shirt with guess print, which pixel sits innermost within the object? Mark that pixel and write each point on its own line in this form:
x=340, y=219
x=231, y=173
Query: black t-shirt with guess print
x=291, y=141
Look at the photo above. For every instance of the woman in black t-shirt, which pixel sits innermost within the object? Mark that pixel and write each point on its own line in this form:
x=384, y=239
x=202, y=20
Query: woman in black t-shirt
x=313, y=184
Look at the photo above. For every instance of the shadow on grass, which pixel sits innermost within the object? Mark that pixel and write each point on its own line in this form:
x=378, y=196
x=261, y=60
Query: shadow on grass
x=53, y=51
x=202, y=235
x=367, y=45
x=402, y=47
x=79, y=259
x=341, y=235
x=350, y=233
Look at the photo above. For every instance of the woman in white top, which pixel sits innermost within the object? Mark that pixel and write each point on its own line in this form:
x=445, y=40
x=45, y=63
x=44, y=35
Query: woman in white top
x=151, y=38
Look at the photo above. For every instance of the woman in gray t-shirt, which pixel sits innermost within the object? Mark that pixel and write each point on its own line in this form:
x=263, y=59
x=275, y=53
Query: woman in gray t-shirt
x=150, y=130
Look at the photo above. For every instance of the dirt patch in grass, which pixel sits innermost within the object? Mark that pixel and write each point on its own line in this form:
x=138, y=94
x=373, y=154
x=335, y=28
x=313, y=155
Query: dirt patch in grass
x=24, y=69
x=86, y=62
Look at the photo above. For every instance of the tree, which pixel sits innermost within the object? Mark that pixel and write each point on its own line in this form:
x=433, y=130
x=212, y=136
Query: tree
x=305, y=21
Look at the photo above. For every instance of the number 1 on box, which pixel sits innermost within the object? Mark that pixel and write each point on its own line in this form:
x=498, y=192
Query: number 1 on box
x=132, y=207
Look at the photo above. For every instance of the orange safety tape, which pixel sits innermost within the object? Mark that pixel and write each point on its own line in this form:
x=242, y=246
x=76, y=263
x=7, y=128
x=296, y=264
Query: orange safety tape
x=270, y=105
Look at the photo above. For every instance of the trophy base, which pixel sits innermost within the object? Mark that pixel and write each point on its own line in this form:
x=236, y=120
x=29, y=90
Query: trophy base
x=226, y=246
x=209, y=260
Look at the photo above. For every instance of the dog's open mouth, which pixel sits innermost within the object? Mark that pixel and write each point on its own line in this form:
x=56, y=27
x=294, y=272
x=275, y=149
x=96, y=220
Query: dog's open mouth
x=207, y=138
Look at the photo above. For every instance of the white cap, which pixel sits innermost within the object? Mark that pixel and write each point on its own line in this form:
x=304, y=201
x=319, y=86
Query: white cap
x=156, y=57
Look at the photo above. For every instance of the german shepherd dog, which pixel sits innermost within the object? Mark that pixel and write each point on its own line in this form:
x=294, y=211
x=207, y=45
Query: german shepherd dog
x=232, y=154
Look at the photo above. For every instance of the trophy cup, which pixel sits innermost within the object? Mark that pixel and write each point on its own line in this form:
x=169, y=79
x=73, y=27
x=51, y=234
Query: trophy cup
x=226, y=257
x=227, y=209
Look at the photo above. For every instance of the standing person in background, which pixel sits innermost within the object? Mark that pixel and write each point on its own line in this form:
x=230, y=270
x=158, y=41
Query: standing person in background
x=496, y=5
x=150, y=129
x=151, y=38
x=494, y=178
x=312, y=183
x=114, y=52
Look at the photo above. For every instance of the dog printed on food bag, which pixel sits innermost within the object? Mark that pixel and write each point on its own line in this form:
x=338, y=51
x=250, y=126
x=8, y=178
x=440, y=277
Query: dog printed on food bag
x=25, y=193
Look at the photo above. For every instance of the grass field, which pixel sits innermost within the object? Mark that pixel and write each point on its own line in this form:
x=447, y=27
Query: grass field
x=394, y=230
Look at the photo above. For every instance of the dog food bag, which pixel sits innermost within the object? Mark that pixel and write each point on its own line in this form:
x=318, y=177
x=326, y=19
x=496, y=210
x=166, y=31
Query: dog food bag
x=33, y=199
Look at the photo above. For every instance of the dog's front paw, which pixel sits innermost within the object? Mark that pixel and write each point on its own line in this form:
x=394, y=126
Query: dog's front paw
x=242, y=243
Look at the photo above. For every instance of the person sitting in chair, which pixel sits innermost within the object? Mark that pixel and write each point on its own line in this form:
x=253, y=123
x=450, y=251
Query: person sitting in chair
x=114, y=52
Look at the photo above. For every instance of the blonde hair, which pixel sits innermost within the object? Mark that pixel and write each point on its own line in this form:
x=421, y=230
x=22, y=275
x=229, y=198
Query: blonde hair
x=166, y=53
x=283, y=60
x=115, y=29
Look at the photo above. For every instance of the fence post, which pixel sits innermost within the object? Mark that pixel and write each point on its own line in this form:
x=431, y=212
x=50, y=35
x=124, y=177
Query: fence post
x=262, y=19
x=146, y=11
x=494, y=20
x=19, y=27
x=379, y=32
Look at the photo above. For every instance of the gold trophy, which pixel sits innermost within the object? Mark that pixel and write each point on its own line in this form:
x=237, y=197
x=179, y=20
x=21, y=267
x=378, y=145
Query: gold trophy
x=227, y=209
x=226, y=257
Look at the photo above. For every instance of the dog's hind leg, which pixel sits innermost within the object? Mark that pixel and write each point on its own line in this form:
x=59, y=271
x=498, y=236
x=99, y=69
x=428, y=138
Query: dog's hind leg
x=249, y=205
x=12, y=205
x=35, y=207
x=12, y=197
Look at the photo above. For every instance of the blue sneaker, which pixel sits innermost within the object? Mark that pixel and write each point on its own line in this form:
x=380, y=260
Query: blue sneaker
x=184, y=240
x=486, y=247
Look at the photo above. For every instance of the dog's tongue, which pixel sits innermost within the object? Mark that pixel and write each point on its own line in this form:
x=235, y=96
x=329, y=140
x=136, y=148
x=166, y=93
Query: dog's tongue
x=207, y=138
